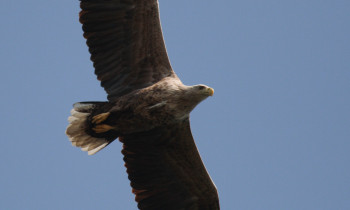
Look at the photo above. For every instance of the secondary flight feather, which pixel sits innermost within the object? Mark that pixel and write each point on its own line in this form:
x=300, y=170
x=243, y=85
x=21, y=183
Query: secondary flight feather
x=148, y=107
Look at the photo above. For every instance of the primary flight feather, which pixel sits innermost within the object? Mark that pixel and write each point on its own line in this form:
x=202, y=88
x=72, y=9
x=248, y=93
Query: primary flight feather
x=148, y=107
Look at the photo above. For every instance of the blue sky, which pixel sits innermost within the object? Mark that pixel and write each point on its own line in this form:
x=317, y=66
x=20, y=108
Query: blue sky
x=276, y=134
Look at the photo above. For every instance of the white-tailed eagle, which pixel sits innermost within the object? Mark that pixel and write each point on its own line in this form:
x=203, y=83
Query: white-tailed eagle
x=148, y=107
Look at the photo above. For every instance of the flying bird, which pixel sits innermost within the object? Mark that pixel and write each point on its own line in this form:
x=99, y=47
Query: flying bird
x=148, y=107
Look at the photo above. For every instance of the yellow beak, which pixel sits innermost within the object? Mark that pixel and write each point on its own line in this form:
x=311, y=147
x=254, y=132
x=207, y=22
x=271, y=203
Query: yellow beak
x=211, y=91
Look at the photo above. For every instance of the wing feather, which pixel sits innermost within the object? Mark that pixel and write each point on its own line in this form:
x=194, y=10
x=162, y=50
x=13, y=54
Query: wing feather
x=166, y=171
x=126, y=44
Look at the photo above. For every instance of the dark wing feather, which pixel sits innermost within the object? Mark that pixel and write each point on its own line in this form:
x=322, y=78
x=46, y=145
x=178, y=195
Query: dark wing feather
x=126, y=43
x=166, y=171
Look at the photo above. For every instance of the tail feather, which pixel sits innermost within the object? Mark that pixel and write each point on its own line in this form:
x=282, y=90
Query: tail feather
x=79, y=128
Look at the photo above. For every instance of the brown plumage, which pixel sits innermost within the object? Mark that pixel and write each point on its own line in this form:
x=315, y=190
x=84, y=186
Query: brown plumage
x=148, y=107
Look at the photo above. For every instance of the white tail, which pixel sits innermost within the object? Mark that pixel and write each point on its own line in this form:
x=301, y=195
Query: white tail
x=76, y=131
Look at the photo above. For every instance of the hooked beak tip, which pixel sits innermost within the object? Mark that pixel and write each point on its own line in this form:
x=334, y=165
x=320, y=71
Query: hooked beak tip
x=211, y=91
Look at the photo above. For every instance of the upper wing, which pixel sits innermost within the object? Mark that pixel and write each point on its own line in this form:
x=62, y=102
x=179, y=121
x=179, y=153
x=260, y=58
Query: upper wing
x=166, y=171
x=126, y=43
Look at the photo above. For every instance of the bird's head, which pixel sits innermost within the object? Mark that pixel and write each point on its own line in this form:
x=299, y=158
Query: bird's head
x=197, y=93
x=203, y=90
x=185, y=98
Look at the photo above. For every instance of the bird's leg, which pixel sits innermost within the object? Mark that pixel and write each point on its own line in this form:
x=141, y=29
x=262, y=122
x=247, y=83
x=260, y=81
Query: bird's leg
x=100, y=118
x=102, y=128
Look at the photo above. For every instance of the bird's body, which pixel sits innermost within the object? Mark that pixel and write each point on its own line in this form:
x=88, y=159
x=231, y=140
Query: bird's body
x=148, y=107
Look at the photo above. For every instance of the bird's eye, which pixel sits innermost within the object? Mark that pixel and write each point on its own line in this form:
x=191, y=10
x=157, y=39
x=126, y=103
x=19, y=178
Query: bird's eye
x=201, y=87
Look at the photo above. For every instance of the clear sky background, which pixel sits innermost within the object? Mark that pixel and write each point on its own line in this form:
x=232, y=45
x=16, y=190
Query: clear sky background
x=275, y=135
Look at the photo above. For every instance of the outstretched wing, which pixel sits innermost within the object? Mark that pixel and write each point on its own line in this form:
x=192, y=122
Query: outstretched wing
x=126, y=43
x=166, y=171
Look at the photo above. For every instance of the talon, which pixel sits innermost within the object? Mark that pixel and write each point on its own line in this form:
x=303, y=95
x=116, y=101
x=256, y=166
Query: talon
x=100, y=118
x=102, y=128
